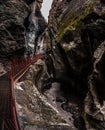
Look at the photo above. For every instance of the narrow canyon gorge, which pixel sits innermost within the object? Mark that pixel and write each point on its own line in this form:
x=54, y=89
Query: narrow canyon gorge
x=64, y=88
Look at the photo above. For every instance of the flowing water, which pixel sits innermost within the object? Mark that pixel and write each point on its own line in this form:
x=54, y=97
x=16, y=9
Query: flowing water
x=32, y=46
x=41, y=46
x=31, y=32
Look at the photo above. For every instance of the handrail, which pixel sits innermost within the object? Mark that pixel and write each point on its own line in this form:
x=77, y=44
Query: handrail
x=27, y=62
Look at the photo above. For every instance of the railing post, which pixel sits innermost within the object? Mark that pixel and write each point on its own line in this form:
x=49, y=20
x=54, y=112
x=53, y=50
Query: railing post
x=13, y=107
x=19, y=66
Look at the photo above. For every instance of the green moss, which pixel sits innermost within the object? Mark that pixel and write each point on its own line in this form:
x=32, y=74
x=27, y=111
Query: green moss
x=73, y=22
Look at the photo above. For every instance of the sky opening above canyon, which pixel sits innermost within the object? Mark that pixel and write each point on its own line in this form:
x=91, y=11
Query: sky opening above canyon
x=46, y=6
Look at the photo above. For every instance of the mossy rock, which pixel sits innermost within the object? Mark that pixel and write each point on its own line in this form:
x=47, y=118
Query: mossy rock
x=74, y=21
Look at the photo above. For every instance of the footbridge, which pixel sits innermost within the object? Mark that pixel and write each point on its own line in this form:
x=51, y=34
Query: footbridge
x=8, y=114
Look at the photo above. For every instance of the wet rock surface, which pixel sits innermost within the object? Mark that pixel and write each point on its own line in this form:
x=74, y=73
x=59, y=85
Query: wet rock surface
x=16, y=20
x=65, y=90
x=77, y=51
x=34, y=110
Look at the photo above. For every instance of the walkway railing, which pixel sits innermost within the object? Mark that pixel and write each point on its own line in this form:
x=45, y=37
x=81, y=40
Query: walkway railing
x=18, y=67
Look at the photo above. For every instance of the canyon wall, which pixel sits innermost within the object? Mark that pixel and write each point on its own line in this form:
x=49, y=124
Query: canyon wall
x=77, y=33
x=71, y=76
x=15, y=18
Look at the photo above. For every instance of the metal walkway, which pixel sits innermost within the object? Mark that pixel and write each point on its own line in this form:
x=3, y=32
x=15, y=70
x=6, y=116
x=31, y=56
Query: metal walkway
x=8, y=115
x=6, y=119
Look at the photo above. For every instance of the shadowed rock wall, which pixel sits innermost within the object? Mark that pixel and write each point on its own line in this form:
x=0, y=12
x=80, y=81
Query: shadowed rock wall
x=77, y=33
x=74, y=61
x=14, y=22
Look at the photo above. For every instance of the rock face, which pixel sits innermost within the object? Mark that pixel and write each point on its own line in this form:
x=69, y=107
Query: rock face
x=12, y=16
x=95, y=99
x=34, y=110
x=14, y=23
x=75, y=41
x=66, y=89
